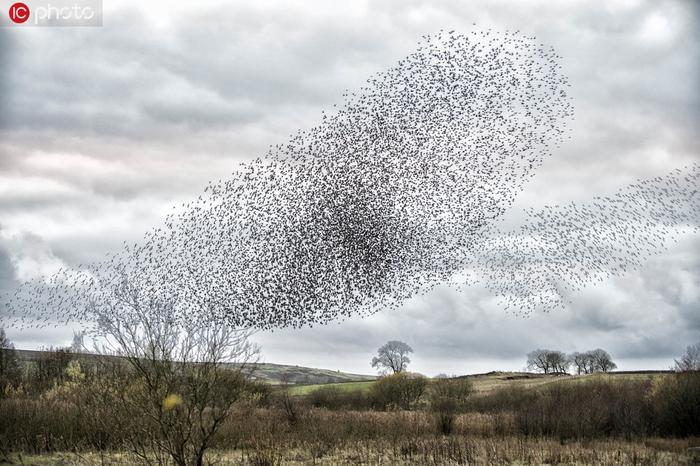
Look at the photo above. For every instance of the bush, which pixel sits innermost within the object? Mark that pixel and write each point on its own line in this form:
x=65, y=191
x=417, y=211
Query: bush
x=506, y=399
x=86, y=413
x=447, y=397
x=668, y=405
x=675, y=402
x=259, y=391
x=292, y=406
x=398, y=391
x=586, y=409
x=458, y=390
x=335, y=398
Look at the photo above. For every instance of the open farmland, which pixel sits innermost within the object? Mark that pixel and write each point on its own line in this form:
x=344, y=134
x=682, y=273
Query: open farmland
x=485, y=383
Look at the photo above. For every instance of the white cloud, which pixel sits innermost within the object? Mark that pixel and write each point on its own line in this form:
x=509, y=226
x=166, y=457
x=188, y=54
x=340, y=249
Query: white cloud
x=31, y=257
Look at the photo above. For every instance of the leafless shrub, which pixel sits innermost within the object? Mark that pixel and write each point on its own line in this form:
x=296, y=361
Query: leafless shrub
x=690, y=360
x=447, y=398
x=675, y=403
x=181, y=382
x=398, y=391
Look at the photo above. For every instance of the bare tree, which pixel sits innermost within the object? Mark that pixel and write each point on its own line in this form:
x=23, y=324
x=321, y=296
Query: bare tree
x=547, y=361
x=393, y=356
x=579, y=361
x=690, y=360
x=584, y=363
x=537, y=361
x=5, y=342
x=559, y=362
x=183, y=375
x=9, y=362
x=597, y=360
x=78, y=344
x=602, y=362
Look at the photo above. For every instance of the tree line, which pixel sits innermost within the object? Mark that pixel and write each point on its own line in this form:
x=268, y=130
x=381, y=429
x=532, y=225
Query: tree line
x=558, y=362
x=598, y=360
x=393, y=358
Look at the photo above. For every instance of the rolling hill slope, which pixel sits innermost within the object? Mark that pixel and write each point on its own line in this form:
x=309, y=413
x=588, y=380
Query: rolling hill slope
x=272, y=373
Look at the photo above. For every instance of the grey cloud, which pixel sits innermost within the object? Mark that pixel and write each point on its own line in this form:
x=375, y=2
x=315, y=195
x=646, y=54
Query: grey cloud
x=121, y=80
x=7, y=272
x=8, y=279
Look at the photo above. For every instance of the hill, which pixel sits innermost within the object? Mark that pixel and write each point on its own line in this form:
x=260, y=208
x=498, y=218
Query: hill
x=485, y=383
x=279, y=373
x=272, y=373
x=311, y=378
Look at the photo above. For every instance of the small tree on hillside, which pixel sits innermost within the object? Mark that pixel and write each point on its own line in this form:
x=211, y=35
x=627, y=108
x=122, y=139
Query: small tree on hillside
x=690, y=361
x=393, y=356
x=537, y=361
x=592, y=361
x=559, y=362
x=580, y=362
x=602, y=362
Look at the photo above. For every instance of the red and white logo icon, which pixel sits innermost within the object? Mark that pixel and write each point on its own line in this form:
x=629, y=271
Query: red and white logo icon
x=19, y=12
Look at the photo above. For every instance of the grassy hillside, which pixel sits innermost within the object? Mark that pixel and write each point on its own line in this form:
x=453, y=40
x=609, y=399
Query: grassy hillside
x=486, y=383
x=278, y=373
x=272, y=373
x=308, y=379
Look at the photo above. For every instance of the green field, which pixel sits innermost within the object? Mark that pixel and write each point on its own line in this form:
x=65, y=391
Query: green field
x=485, y=383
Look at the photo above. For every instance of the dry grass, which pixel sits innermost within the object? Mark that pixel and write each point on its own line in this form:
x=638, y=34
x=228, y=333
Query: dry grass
x=431, y=450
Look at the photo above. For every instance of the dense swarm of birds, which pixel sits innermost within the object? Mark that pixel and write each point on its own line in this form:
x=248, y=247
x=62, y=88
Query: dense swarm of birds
x=396, y=191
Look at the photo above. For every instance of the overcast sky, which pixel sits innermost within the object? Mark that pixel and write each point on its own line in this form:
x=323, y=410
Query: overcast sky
x=103, y=129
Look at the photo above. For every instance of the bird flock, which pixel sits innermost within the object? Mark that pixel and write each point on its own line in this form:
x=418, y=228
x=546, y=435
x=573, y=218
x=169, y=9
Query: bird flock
x=399, y=189
x=559, y=250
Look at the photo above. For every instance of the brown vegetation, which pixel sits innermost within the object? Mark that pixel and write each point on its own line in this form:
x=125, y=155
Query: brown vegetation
x=152, y=406
x=406, y=419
